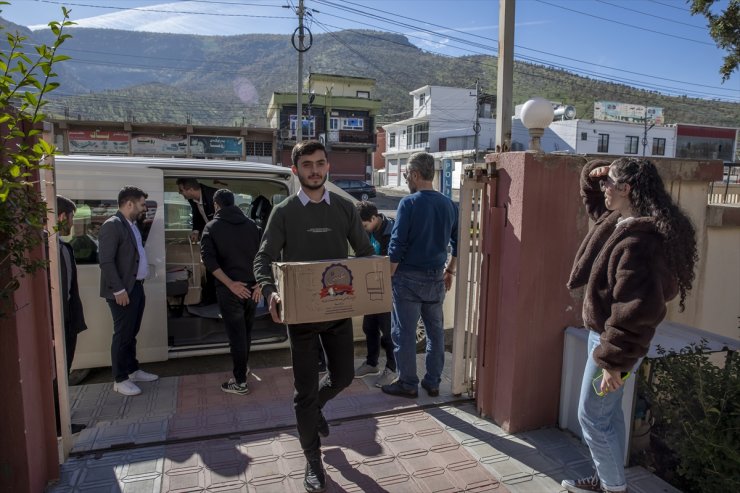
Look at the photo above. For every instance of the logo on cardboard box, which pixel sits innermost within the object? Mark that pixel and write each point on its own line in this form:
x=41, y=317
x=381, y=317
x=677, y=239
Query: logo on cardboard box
x=336, y=281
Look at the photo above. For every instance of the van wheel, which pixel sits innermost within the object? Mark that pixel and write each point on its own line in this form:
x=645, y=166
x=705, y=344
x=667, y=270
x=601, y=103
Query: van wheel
x=364, y=196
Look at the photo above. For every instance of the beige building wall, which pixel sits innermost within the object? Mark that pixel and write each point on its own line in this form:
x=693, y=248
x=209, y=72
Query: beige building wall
x=714, y=302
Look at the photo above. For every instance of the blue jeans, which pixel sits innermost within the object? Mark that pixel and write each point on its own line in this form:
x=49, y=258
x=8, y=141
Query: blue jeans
x=418, y=294
x=602, y=424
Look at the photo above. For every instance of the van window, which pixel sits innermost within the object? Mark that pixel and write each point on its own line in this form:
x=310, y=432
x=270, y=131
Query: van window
x=90, y=215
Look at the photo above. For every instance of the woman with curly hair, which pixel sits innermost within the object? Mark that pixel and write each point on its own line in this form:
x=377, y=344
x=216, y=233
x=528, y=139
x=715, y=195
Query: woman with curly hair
x=639, y=255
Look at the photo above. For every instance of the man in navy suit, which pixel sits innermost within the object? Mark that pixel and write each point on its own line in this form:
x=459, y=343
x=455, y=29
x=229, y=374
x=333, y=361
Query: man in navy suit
x=123, y=269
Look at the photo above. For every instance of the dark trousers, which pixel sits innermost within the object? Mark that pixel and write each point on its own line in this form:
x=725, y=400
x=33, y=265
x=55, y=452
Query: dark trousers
x=377, y=329
x=310, y=394
x=238, y=316
x=70, y=344
x=126, y=325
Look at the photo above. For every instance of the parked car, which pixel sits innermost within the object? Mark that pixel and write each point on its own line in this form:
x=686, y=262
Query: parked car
x=358, y=189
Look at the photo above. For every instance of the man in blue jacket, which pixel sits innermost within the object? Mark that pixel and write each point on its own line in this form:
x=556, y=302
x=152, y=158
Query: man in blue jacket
x=426, y=224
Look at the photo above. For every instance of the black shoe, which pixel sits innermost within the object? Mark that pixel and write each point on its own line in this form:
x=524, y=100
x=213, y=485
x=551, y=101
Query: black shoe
x=323, y=427
x=76, y=428
x=397, y=388
x=432, y=391
x=315, y=480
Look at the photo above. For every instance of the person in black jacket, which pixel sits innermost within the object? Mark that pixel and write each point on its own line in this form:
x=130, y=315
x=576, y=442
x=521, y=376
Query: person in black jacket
x=74, y=316
x=377, y=327
x=200, y=198
x=228, y=246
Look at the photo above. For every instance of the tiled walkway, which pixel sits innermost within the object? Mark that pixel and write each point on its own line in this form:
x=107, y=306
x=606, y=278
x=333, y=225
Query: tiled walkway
x=184, y=435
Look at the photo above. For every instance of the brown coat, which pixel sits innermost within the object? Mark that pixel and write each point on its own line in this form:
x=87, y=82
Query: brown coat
x=627, y=280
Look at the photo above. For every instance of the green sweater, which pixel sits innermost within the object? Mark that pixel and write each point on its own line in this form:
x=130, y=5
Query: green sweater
x=297, y=233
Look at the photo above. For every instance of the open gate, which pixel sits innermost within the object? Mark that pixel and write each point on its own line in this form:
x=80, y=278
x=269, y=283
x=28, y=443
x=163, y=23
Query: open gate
x=475, y=189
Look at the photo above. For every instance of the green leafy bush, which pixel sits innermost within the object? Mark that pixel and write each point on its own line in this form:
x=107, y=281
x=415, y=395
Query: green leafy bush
x=24, y=83
x=696, y=405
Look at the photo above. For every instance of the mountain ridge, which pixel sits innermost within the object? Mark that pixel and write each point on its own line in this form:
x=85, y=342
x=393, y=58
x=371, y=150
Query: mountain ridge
x=222, y=80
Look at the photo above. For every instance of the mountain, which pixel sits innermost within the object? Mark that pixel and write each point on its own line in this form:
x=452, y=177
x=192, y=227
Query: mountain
x=224, y=80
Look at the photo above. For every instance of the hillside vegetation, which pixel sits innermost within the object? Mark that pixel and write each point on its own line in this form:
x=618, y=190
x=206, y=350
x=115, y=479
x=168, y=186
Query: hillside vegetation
x=227, y=80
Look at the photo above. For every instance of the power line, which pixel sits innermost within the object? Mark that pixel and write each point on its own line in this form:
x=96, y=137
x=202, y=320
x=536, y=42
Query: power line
x=653, y=16
x=683, y=38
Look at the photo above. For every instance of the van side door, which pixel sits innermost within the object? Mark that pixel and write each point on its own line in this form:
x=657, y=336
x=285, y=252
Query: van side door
x=94, y=189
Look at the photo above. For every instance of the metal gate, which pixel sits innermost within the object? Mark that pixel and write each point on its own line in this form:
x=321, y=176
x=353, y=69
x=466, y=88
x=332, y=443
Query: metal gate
x=474, y=202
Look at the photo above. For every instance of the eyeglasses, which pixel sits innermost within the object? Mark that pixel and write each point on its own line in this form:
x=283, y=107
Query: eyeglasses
x=607, y=182
x=406, y=174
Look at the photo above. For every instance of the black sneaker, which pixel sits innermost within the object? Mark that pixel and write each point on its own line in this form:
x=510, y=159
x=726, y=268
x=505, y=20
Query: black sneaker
x=315, y=479
x=432, y=391
x=232, y=387
x=323, y=427
x=397, y=388
x=583, y=485
x=76, y=428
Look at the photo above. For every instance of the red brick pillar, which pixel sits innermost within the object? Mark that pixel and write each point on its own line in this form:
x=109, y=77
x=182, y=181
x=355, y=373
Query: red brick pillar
x=535, y=224
x=28, y=446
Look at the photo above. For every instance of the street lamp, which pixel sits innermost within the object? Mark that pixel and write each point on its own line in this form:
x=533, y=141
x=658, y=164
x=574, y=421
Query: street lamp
x=537, y=114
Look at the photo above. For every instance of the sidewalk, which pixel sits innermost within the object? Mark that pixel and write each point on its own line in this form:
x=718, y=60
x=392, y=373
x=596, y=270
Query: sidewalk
x=184, y=434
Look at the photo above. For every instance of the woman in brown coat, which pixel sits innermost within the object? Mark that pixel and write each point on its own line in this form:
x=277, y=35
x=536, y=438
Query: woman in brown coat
x=639, y=255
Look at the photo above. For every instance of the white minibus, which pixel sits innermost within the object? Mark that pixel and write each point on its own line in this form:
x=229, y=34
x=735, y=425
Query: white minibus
x=176, y=324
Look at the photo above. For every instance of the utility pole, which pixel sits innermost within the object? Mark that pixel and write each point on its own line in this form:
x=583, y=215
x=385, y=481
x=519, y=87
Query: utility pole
x=476, y=127
x=299, y=103
x=301, y=47
x=505, y=82
x=645, y=131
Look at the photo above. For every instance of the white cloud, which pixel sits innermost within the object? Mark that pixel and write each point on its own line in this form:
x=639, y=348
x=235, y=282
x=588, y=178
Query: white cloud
x=192, y=18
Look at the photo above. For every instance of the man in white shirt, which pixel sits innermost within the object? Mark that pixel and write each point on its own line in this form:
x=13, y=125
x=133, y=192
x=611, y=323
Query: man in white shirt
x=123, y=269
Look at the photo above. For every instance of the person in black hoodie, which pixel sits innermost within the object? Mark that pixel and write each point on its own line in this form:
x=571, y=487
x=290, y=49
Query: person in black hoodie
x=228, y=246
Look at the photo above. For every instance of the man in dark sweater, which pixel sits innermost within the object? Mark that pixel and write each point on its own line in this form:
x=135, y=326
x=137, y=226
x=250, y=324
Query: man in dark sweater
x=313, y=224
x=426, y=224
x=228, y=247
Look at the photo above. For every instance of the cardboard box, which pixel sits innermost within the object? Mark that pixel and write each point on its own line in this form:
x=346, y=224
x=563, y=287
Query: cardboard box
x=333, y=289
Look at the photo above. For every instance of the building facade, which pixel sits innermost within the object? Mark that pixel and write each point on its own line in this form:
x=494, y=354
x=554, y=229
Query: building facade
x=707, y=142
x=165, y=140
x=595, y=137
x=337, y=110
x=444, y=121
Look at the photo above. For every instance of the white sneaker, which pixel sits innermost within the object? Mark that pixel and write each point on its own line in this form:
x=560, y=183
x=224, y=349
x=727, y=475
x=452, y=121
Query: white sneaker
x=387, y=378
x=127, y=387
x=142, y=376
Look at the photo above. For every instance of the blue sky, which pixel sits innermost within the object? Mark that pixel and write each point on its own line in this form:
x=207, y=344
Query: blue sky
x=652, y=44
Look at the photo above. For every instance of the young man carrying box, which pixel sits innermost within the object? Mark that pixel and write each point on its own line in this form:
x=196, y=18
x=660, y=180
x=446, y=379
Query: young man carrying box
x=313, y=224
